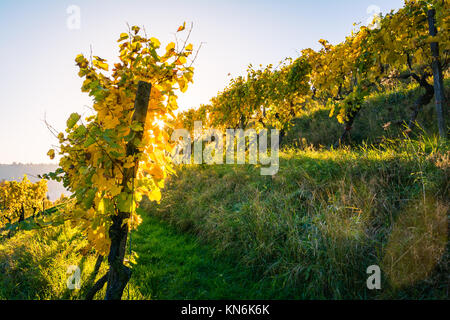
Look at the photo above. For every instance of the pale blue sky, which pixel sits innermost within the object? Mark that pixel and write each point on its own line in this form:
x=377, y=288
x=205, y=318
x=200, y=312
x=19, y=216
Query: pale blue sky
x=39, y=79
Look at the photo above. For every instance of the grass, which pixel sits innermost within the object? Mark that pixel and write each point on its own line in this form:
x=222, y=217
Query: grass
x=33, y=264
x=171, y=265
x=309, y=232
x=325, y=217
x=174, y=265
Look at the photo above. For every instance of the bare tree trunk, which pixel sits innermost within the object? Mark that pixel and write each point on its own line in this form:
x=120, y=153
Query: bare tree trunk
x=437, y=75
x=22, y=214
x=97, y=266
x=348, y=125
x=118, y=274
x=282, y=136
x=96, y=287
x=422, y=100
x=345, y=137
x=242, y=122
x=10, y=231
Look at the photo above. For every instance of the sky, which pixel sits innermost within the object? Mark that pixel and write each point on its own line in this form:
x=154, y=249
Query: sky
x=40, y=39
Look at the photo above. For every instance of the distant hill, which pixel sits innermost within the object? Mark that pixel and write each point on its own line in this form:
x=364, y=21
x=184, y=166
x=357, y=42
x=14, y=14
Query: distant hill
x=16, y=171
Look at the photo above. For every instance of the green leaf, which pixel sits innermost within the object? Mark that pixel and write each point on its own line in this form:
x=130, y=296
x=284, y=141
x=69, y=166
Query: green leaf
x=136, y=126
x=140, y=211
x=80, y=132
x=89, y=198
x=109, y=140
x=73, y=119
x=125, y=202
x=90, y=140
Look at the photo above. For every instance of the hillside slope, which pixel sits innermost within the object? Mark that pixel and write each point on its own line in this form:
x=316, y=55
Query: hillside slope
x=309, y=232
x=382, y=116
x=317, y=225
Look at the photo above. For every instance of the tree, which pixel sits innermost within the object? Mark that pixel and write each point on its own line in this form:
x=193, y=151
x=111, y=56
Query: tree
x=19, y=198
x=437, y=74
x=404, y=45
x=112, y=158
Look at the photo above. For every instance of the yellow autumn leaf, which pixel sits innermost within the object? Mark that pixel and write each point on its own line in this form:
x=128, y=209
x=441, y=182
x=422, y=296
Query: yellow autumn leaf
x=135, y=29
x=154, y=195
x=155, y=42
x=129, y=162
x=51, y=154
x=170, y=47
x=100, y=64
x=123, y=36
x=111, y=122
x=181, y=60
x=115, y=190
x=181, y=28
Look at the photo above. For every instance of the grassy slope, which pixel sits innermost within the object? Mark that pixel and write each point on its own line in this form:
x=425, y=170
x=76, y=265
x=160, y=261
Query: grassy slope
x=317, y=128
x=171, y=265
x=325, y=217
x=174, y=265
x=33, y=264
x=308, y=232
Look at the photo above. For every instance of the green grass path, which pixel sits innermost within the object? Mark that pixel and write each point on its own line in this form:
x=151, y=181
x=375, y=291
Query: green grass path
x=174, y=265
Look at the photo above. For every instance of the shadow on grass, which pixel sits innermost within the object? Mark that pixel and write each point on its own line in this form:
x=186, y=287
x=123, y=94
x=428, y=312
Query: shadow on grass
x=174, y=265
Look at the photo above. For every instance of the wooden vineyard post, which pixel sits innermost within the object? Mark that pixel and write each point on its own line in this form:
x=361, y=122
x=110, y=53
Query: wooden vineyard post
x=437, y=75
x=118, y=274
